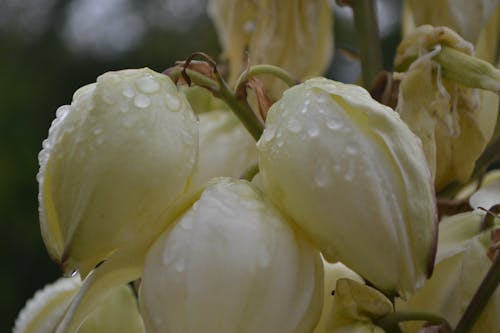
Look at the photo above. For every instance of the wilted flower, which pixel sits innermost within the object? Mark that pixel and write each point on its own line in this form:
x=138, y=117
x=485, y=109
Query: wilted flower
x=295, y=35
x=466, y=17
x=118, y=312
x=354, y=178
x=454, y=122
x=226, y=147
x=113, y=162
x=231, y=263
x=461, y=265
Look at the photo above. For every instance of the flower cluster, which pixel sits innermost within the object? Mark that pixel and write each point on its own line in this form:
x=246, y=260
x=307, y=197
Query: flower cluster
x=174, y=220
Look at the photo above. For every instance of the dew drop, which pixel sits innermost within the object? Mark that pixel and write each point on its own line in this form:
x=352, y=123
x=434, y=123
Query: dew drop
x=128, y=92
x=173, y=103
x=294, y=125
x=322, y=176
x=61, y=111
x=349, y=175
x=99, y=140
x=268, y=134
x=307, y=102
x=304, y=110
x=321, y=99
x=98, y=130
x=313, y=131
x=334, y=124
x=142, y=101
x=148, y=84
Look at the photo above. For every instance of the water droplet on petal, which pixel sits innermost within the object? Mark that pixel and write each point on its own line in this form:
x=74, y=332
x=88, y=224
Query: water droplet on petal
x=313, y=130
x=173, y=103
x=98, y=130
x=349, y=175
x=142, y=101
x=148, y=84
x=268, y=134
x=322, y=176
x=334, y=124
x=294, y=125
x=128, y=92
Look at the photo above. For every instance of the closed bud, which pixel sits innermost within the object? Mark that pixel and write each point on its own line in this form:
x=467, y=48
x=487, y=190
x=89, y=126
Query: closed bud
x=461, y=264
x=113, y=162
x=225, y=147
x=231, y=263
x=454, y=122
x=295, y=35
x=117, y=312
x=349, y=172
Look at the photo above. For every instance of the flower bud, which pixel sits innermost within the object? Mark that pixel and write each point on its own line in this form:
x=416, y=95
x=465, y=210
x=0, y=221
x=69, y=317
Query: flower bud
x=231, y=263
x=295, y=35
x=454, y=122
x=118, y=312
x=226, y=147
x=349, y=172
x=461, y=265
x=355, y=307
x=466, y=17
x=114, y=160
x=332, y=273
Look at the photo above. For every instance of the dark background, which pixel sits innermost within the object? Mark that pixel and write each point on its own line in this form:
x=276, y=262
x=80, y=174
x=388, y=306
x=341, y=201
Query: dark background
x=48, y=49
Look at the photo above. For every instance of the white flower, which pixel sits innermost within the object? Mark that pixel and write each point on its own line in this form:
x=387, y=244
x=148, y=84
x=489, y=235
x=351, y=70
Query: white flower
x=354, y=178
x=231, y=263
x=114, y=161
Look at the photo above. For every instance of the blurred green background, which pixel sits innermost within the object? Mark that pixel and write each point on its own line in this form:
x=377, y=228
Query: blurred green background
x=48, y=49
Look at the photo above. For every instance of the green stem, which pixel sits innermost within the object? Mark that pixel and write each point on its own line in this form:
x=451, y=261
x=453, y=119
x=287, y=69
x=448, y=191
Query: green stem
x=467, y=70
x=242, y=110
x=365, y=20
x=198, y=78
x=480, y=299
x=220, y=90
x=275, y=71
x=390, y=322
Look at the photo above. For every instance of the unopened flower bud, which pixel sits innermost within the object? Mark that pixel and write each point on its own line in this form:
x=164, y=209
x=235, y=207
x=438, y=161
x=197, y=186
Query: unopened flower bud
x=231, y=263
x=461, y=264
x=295, y=35
x=454, y=122
x=113, y=162
x=118, y=312
x=349, y=171
x=225, y=147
